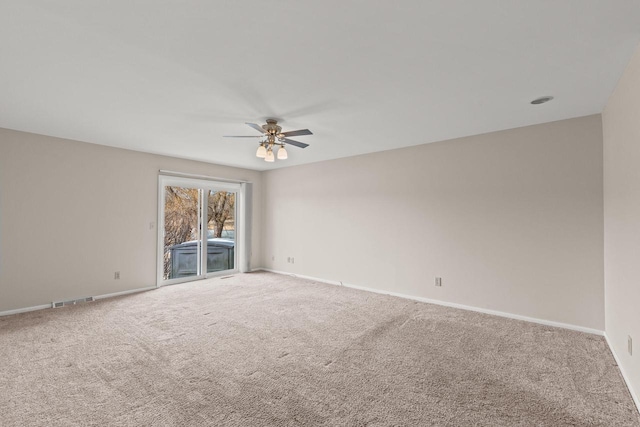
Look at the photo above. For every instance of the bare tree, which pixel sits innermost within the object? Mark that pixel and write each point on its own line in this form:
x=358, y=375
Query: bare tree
x=181, y=215
x=180, y=219
x=220, y=210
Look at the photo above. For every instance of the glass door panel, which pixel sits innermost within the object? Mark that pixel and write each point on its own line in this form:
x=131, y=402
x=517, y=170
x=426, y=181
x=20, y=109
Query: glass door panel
x=182, y=237
x=221, y=230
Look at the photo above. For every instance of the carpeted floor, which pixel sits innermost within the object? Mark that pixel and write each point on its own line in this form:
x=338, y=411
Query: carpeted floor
x=263, y=349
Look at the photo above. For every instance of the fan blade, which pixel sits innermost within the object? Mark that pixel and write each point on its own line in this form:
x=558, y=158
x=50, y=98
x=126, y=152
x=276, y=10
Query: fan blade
x=242, y=136
x=256, y=127
x=297, y=132
x=292, y=142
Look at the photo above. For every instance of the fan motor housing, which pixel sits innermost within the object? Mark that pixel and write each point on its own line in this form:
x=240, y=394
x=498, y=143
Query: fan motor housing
x=272, y=127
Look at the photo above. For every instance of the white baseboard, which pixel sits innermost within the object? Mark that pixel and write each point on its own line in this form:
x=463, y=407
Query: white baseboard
x=448, y=304
x=24, y=310
x=97, y=297
x=634, y=394
x=118, y=294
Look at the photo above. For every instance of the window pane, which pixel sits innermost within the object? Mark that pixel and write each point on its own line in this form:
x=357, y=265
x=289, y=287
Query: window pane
x=221, y=231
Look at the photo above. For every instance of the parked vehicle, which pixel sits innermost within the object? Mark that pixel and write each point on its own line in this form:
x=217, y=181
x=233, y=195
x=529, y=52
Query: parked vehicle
x=184, y=257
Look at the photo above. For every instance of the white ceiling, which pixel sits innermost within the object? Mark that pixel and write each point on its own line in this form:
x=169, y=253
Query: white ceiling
x=172, y=77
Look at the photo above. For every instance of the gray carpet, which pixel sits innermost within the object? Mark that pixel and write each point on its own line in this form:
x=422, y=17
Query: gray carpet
x=263, y=349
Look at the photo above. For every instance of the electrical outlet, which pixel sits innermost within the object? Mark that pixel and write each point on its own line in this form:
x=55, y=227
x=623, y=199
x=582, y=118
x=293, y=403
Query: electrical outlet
x=630, y=345
x=116, y=275
x=292, y=261
x=152, y=225
x=289, y=259
x=273, y=258
x=438, y=281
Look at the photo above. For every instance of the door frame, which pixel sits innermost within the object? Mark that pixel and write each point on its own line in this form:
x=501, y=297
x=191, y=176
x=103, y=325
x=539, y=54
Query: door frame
x=240, y=252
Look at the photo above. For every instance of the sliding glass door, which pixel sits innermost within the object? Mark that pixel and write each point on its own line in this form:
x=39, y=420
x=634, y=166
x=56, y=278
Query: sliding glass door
x=199, y=228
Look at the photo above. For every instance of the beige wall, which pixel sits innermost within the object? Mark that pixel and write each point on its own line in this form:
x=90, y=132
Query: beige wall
x=73, y=213
x=621, y=128
x=511, y=221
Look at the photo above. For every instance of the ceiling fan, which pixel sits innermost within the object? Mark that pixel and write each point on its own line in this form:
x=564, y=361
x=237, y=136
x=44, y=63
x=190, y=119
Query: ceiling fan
x=272, y=135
